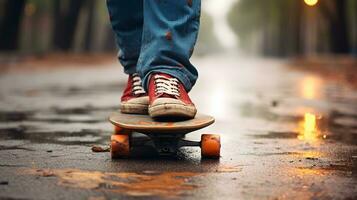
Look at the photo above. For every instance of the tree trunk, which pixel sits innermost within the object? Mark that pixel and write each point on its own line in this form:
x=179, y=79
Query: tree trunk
x=296, y=38
x=10, y=26
x=65, y=23
x=339, y=29
x=89, y=29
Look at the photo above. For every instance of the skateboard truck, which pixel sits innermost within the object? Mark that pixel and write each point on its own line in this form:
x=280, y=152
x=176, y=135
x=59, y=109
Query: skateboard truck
x=169, y=145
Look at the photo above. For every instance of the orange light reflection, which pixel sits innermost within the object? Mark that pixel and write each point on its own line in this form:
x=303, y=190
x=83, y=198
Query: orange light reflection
x=310, y=87
x=308, y=130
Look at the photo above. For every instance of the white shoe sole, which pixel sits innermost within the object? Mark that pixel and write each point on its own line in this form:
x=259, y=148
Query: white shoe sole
x=132, y=108
x=172, y=110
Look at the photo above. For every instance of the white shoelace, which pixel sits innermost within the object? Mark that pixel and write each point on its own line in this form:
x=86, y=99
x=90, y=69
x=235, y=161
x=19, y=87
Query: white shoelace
x=137, y=86
x=166, y=85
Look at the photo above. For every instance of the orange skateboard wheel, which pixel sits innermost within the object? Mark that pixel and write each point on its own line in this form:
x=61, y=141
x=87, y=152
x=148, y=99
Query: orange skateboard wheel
x=210, y=146
x=120, y=146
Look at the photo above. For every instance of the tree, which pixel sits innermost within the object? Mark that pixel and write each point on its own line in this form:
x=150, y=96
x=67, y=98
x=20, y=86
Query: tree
x=283, y=27
x=66, y=15
x=90, y=24
x=338, y=25
x=272, y=27
x=10, y=24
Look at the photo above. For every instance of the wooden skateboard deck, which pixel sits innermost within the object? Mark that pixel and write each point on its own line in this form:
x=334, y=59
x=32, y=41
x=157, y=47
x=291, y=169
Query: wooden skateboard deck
x=145, y=124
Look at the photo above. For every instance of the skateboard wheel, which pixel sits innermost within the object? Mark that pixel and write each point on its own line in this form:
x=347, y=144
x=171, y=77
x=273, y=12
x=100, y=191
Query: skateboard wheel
x=121, y=131
x=210, y=146
x=120, y=146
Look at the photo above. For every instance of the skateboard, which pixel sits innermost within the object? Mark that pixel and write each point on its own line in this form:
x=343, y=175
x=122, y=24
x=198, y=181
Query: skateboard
x=166, y=136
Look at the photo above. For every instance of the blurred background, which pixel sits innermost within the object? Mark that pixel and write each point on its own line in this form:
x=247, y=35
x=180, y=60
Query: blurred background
x=278, y=28
x=279, y=76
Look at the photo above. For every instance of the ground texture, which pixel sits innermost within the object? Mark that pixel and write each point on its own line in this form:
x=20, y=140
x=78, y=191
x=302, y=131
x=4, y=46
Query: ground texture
x=286, y=134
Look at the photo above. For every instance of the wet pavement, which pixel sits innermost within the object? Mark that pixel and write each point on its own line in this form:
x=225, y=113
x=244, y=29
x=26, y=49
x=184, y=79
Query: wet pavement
x=285, y=135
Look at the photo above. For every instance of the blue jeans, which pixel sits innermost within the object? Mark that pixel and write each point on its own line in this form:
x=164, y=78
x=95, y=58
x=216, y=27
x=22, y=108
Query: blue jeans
x=156, y=36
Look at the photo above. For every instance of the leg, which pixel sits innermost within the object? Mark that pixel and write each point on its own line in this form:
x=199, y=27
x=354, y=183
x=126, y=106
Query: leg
x=126, y=17
x=127, y=21
x=169, y=35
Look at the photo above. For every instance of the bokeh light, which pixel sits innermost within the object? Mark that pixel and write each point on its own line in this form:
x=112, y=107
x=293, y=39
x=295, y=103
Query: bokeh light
x=310, y=87
x=311, y=2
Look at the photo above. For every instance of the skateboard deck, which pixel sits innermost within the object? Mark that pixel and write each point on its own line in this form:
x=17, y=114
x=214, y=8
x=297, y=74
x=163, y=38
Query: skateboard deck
x=166, y=135
x=145, y=124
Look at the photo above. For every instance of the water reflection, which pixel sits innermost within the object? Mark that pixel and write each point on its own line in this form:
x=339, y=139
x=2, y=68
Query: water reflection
x=308, y=129
x=218, y=103
x=311, y=87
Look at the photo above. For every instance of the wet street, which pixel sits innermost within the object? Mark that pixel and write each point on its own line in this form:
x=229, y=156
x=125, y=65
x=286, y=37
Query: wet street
x=285, y=135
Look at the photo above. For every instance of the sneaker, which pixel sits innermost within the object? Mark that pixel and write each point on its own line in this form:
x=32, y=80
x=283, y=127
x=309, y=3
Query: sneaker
x=134, y=99
x=168, y=98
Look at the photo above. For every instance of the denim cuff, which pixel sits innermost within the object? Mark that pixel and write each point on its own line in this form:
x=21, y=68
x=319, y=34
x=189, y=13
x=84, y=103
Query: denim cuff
x=172, y=71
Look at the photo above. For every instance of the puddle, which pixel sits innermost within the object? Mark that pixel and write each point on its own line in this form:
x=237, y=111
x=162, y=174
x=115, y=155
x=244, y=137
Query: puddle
x=86, y=114
x=63, y=91
x=166, y=184
x=81, y=137
x=343, y=127
x=85, y=110
x=65, y=120
x=327, y=169
x=308, y=128
x=14, y=116
x=277, y=135
x=303, y=171
x=313, y=128
x=60, y=118
x=2, y=148
x=144, y=184
x=16, y=132
x=318, y=166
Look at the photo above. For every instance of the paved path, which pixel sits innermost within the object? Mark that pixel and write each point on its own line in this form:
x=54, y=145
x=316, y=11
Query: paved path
x=285, y=135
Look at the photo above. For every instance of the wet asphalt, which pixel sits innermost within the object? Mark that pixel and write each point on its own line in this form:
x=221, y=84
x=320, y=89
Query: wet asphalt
x=285, y=135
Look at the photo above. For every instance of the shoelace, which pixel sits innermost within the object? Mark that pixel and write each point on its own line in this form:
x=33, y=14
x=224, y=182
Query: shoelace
x=166, y=85
x=137, y=87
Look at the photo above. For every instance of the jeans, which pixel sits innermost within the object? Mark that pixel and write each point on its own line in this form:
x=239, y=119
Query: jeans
x=156, y=36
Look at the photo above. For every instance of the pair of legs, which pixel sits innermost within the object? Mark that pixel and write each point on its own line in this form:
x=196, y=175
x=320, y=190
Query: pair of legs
x=156, y=39
x=156, y=36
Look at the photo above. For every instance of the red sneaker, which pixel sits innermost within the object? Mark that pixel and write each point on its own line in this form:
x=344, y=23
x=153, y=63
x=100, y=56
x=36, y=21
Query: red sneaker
x=168, y=98
x=134, y=99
